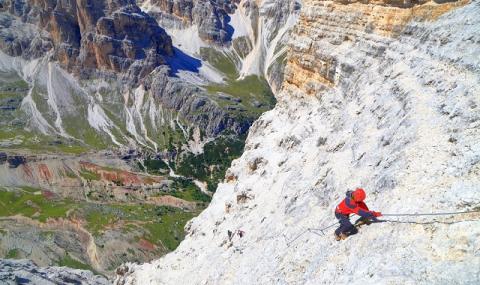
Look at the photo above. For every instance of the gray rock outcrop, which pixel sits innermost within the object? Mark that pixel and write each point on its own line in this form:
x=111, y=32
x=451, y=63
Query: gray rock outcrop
x=26, y=272
x=210, y=16
x=82, y=35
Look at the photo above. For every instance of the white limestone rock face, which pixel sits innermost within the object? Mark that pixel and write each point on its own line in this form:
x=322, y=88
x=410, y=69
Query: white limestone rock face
x=394, y=108
x=26, y=272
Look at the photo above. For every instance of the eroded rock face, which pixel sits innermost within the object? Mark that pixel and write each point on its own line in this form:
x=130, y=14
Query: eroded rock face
x=210, y=16
x=84, y=34
x=313, y=64
x=193, y=105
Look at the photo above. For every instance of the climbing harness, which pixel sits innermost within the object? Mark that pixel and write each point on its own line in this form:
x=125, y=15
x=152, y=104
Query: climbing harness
x=320, y=231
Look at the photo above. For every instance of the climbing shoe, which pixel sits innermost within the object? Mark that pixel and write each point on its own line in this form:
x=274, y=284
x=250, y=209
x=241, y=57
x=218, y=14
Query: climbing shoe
x=340, y=237
x=362, y=222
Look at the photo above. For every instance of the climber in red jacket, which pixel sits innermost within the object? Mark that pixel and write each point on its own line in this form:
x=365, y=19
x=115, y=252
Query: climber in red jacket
x=353, y=204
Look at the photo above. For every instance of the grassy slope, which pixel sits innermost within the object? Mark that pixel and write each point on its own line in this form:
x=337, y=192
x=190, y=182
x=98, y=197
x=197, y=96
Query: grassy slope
x=68, y=261
x=31, y=203
x=164, y=225
x=185, y=189
x=252, y=94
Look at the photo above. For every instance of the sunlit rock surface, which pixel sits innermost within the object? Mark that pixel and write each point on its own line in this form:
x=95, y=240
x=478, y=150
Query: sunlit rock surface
x=380, y=95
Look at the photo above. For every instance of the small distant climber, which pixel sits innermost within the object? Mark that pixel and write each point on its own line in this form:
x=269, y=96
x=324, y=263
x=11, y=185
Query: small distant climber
x=353, y=204
x=240, y=233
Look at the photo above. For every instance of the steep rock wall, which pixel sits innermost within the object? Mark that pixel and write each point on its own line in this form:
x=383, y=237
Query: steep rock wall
x=210, y=16
x=390, y=107
x=86, y=35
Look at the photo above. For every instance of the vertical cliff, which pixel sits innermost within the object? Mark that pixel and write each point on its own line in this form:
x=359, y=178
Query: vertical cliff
x=252, y=34
x=380, y=94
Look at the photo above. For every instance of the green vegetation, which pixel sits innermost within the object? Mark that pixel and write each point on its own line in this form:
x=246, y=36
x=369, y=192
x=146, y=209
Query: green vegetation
x=172, y=139
x=12, y=254
x=47, y=235
x=211, y=165
x=169, y=229
x=250, y=96
x=10, y=96
x=32, y=205
x=15, y=84
x=158, y=224
x=164, y=225
x=98, y=220
x=12, y=92
x=13, y=121
x=38, y=143
x=81, y=129
x=70, y=174
x=68, y=261
x=64, y=148
x=155, y=166
x=220, y=61
x=187, y=190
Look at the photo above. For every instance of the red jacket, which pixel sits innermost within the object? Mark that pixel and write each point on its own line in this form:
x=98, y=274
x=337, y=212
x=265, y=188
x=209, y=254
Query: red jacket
x=349, y=206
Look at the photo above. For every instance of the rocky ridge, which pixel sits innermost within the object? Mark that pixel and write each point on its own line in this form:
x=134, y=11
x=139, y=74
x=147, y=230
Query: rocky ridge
x=113, y=47
x=87, y=35
x=210, y=16
x=135, y=108
x=24, y=272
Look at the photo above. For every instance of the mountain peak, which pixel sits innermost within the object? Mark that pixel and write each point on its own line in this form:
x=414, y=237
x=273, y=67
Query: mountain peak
x=108, y=35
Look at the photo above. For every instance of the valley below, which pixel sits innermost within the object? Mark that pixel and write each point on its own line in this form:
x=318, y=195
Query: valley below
x=118, y=119
x=77, y=213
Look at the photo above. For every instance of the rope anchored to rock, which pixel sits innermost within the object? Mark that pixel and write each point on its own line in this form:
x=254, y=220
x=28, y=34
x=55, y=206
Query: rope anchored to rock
x=432, y=214
x=312, y=230
x=321, y=231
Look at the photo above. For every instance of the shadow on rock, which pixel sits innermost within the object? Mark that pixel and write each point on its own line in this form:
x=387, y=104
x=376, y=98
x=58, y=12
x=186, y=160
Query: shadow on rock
x=182, y=61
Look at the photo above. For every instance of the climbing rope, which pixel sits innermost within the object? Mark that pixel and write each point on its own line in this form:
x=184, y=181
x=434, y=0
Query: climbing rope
x=312, y=230
x=317, y=231
x=431, y=214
